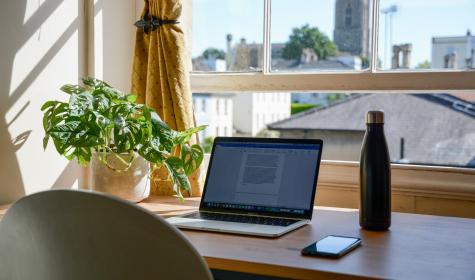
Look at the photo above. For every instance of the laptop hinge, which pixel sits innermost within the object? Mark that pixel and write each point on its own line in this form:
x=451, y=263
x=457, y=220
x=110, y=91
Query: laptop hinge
x=253, y=214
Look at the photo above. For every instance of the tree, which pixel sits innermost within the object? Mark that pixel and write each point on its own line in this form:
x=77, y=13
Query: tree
x=308, y=37
x=213, y=53
x=424, y=65
x=208, y=144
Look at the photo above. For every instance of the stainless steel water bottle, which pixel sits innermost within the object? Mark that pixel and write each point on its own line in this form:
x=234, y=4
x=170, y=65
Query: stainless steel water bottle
x=375, y=175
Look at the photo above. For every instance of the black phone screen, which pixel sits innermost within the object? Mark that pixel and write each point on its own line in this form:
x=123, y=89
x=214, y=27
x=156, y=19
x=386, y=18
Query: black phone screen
x=332, y=246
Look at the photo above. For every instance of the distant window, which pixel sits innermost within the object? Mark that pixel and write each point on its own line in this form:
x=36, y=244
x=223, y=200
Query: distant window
x=217, y=131
x=348, y=12
x=225, y=107
x=225, y=131
x=217, y=106
x=203, y=104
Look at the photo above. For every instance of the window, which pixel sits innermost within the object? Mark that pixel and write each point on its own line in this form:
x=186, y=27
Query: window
x=362, y=60
x=366, y=66
x=227, y=35
x=348, y=15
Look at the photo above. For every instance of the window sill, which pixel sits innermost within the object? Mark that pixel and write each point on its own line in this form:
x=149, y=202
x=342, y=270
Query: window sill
x=448, y=182
x=445, y=191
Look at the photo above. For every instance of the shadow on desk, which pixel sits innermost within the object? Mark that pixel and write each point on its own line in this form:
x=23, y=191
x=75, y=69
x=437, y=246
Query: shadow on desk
x=231, y=275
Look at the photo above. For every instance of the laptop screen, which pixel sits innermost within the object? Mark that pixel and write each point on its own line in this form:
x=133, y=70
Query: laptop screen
x=274, y=176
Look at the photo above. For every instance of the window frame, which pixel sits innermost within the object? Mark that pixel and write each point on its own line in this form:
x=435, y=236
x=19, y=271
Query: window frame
x=432, y=179
x=371, y=80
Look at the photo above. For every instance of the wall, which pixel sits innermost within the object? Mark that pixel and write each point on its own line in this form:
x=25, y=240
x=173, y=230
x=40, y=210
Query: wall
x=206, y=113
x=45, y=44
x=253, y=111
x=111, y=40
x=42, y=48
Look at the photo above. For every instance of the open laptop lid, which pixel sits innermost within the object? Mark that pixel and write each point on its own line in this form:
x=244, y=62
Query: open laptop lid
x=266, y=176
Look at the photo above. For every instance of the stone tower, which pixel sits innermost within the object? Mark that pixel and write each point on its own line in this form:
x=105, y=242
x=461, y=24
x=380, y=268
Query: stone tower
x=351, y=32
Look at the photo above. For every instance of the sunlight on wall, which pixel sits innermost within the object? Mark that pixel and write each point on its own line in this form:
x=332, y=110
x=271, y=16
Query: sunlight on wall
x=113, y=41
x=42, y=52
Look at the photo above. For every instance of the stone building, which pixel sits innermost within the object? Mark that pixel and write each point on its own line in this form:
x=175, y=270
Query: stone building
x=351, y=32
x=454, y=52
x=216, y=111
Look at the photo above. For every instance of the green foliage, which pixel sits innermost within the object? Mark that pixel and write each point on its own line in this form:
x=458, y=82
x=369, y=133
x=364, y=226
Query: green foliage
x=424, y=65
x=208, y=144
x=213, y=53
x=335, y=97
x=300, y=107
x=364, y=61
x=308, y=37
x=99, y=118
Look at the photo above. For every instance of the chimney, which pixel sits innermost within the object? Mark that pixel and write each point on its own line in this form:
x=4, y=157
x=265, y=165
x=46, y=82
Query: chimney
x=229, y=55
x=395, y=57
x=406, y=55
x=469, y=51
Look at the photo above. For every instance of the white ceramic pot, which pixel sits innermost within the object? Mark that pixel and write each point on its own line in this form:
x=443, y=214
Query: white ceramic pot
x=114, y=178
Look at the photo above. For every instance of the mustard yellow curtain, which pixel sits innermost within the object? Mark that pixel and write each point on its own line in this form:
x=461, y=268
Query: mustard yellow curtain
x=160, y=77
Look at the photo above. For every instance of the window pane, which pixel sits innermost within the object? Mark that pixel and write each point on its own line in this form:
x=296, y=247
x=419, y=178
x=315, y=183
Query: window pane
x=227, y=35
x=420, y=34
x=422, y=129
x=316, y=35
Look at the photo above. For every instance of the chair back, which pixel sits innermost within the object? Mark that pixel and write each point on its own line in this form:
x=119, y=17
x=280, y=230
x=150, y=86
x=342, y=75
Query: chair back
x=67, y=234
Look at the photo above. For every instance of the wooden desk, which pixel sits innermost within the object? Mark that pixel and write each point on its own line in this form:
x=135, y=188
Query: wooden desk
x=416, y=247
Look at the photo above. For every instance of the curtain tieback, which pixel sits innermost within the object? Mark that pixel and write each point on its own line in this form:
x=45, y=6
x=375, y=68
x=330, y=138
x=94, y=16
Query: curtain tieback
x=150, y=23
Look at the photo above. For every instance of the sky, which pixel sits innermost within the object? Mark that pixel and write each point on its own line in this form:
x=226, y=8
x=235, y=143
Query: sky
x=416, y=22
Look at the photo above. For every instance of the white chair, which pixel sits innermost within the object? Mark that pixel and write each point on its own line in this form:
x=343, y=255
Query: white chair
x=66, y=234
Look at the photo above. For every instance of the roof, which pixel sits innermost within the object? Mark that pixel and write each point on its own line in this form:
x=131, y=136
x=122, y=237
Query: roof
x=466, y=96
x=434, y=131
x=293, y=65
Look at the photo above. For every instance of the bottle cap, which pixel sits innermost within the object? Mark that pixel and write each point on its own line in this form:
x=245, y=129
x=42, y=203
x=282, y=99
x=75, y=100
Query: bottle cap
x=375, y=117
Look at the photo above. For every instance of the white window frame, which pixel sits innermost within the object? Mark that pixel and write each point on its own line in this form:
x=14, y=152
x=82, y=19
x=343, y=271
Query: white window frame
x=423, y=179
x=370, y=80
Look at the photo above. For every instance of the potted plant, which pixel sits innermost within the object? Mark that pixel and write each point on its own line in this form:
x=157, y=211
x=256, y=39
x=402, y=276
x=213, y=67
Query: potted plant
x=120, y=138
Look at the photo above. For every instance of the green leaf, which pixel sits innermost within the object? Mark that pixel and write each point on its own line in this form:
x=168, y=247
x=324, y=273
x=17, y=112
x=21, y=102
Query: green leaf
x=185, y=136
x=101, y=103
x=73, y=89
x=191, y=157
x=131, y=98
x=93, y=82
x=174, y=166
x=151, y=154
x=165, y=133
x=48, y=105
x=80, y=103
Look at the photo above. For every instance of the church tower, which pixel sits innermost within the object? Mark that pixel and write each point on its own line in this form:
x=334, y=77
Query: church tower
x=351, y=32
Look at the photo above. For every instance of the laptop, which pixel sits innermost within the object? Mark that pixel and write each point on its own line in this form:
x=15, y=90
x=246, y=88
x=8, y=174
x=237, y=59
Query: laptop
x=257, y=186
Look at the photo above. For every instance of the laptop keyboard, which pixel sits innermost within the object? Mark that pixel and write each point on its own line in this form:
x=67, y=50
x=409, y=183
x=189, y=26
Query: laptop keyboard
x=242, y=219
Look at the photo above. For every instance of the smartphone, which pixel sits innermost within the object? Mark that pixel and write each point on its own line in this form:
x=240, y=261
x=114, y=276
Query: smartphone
x=332, y=246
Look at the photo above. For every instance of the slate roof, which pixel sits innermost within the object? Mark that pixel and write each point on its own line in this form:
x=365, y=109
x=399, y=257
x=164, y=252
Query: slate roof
x=435, y=132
